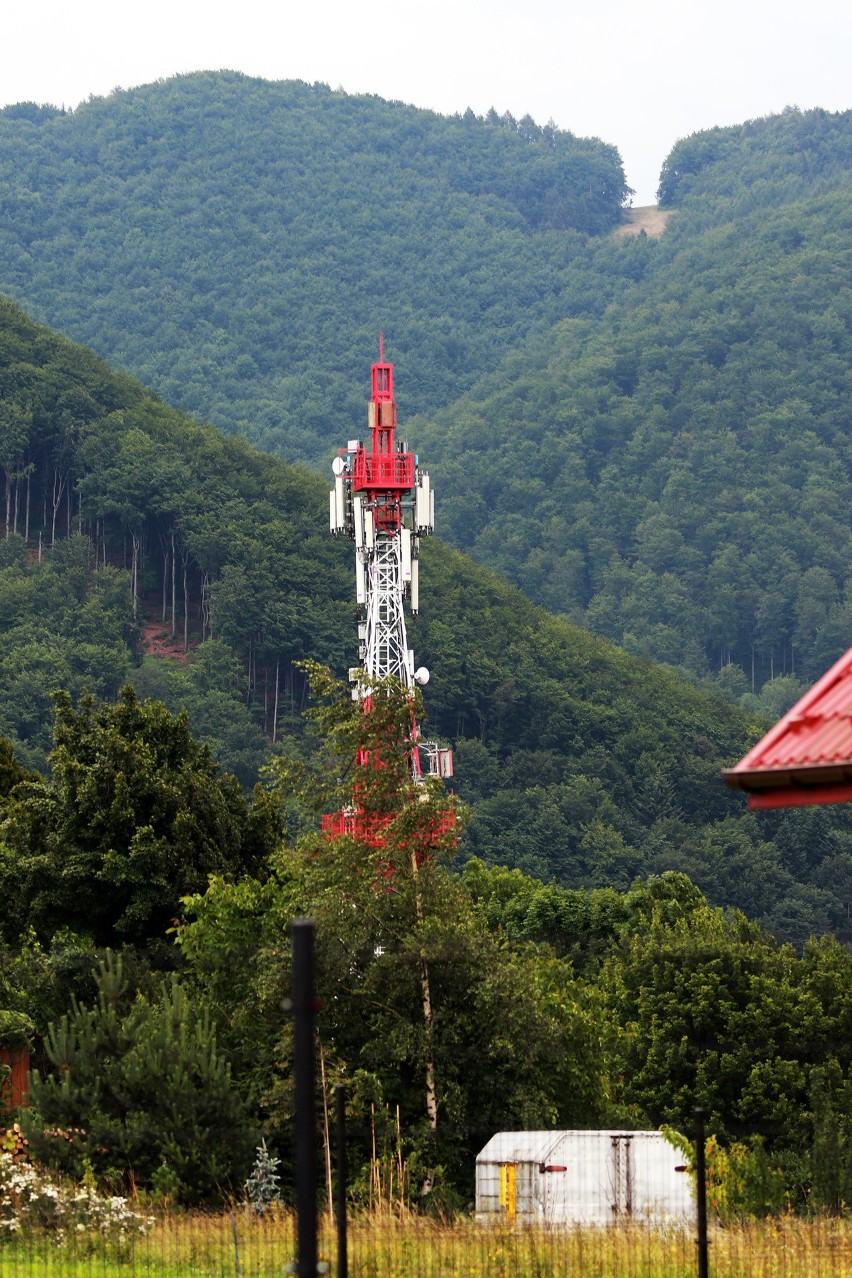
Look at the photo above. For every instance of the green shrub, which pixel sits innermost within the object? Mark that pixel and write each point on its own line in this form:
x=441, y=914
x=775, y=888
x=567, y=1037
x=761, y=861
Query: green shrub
x=135, y=1086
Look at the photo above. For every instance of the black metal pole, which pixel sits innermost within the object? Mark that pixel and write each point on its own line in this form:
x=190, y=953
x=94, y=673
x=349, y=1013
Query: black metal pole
x=342, y=1256
x=701, y=1194
x=305, y=1123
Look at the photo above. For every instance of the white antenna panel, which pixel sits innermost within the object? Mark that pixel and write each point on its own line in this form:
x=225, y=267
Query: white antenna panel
x=358, y=511
x=406, y=554
x=415, y=585
x=421, y=503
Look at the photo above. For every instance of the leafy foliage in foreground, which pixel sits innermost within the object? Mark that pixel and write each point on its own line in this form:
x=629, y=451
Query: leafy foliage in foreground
x=138, y=1087
x=710, y=1011
x=457, y=991
x=422, y=1006
x=134, y=816
x=33, y=1205
x=462, y=1003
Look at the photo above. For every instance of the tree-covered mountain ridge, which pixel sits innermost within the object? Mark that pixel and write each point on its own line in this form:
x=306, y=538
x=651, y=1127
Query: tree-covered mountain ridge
x=648, y=436
x=581, y=763
x=784, y=157
x=675, y=474
x=238, y=243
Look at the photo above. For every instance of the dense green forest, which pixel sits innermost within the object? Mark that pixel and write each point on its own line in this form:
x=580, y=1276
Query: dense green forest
x=134, y=531
x=648, y=437
x=676, y=475
x=615, y=938
x=159, y=1063
x=238, y=244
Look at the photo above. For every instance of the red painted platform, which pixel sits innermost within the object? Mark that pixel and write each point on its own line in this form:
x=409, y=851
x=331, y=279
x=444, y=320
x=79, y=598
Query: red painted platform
x=383, y=470
x=807, y=757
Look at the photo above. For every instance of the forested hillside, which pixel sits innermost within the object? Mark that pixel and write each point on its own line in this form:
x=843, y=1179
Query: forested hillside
x=238, y=244
x=658, y=447
x=676, y=475
x=582, y=764
x=650, y=438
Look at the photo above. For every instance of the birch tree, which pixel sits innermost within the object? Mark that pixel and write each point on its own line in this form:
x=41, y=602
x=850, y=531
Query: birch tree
x=422, y=1006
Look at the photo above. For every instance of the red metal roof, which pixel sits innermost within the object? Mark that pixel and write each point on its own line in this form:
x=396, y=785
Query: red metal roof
x=807, y=757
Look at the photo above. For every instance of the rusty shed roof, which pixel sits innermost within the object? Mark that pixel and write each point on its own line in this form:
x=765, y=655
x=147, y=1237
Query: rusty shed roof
x=807, y=757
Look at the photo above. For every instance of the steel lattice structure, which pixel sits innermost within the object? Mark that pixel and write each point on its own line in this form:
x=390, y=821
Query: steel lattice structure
x=383, y=501
x=386, y=650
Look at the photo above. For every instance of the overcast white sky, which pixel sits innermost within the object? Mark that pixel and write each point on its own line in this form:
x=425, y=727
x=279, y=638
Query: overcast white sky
x=637, y=73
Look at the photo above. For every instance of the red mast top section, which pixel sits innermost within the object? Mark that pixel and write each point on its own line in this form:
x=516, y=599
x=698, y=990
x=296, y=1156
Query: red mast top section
x=807, y=757
x=382, y=379
x=385, y=470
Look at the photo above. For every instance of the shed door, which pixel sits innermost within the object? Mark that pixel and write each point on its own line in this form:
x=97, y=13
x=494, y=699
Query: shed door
x=509, y=1191
x=621, y=1177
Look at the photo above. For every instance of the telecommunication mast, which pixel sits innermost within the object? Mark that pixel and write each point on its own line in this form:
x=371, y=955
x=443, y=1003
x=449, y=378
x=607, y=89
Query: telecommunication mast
x=383, y=501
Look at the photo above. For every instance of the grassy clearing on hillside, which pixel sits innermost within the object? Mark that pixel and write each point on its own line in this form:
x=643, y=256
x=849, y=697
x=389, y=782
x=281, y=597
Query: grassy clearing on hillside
x=650, y=218
x=201, y=1246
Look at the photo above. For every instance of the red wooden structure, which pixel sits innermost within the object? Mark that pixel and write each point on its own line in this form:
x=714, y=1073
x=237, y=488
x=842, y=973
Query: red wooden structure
x=14, y=1092
x=807, y=757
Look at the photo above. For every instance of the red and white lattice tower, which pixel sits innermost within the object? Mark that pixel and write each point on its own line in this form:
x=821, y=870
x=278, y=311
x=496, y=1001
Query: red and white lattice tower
x=383, y=501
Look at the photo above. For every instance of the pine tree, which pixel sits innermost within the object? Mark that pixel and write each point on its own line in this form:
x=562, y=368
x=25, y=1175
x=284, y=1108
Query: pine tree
x=136, y=1087
x=262, y=1185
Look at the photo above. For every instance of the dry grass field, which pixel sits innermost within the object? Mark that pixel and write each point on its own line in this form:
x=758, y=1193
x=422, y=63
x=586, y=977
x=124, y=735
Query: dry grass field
x=651, y=219
x=247, y=1246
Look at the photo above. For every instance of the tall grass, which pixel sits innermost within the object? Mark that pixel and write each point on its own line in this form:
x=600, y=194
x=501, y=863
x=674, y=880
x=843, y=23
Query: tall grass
x=244, y=1245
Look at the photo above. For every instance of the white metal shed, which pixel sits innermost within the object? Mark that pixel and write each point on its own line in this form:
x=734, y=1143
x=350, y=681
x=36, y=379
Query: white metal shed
x=583, y=1178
